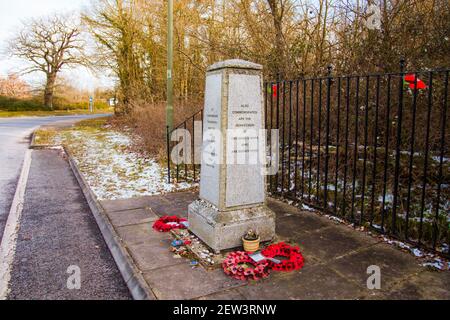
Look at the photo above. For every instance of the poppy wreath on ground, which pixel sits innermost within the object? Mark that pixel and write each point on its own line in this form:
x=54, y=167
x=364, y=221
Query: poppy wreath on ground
x=413, y=82
x=240, y=266
x=294, y=259
x=167, y=223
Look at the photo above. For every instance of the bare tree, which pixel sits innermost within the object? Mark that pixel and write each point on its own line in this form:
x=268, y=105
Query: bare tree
x=116, y=27
x=49, y=44
x=13, y=86
x=277, y=11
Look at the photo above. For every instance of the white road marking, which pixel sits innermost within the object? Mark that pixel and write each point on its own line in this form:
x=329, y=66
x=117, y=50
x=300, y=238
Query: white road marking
x=8, y=242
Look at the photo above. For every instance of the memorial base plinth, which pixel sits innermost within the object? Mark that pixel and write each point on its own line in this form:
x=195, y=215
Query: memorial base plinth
x=224, y=229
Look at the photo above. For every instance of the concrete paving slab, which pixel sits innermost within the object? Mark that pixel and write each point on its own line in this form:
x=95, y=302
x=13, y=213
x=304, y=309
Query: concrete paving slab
x=171, y=209
x=310, y=283
x=160, y=205
x=395, y=266
x=331, y=242
x=130, y=217
x=426, y=285
x=174, y=203
x=182, y=282
x=140, y=233
x=181, y=197
x=292, y=225
x=153, y=255
x=129, y=204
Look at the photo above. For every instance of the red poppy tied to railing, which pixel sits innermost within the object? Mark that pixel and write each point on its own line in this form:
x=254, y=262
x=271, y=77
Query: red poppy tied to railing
x=410, y=80
x=273, y=90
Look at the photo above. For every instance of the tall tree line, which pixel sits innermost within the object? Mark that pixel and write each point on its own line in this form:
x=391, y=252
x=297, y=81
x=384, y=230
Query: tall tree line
x=290, y=38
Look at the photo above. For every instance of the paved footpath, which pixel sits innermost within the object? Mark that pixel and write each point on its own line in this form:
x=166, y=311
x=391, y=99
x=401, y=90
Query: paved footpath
x=14, y=141
x=57, y=230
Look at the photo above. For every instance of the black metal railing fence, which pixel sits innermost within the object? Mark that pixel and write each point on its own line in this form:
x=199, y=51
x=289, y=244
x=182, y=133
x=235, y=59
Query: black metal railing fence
x=370, y=149
x=188, y=170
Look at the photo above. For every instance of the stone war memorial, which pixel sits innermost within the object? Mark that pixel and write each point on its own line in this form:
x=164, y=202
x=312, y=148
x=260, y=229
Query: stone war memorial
x=232, y=184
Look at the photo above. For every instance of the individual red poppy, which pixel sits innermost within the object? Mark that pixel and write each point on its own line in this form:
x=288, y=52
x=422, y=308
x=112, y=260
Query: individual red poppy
x=411, y=80
x=274, y=90
x=289, y=266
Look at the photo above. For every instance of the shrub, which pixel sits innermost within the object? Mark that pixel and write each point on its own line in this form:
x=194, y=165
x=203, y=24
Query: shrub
x=148, y=121
x=14, y=104
x=61, y=103
x=35, y=104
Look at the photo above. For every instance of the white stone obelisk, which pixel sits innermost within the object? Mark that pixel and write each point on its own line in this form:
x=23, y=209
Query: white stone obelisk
x=232, y=182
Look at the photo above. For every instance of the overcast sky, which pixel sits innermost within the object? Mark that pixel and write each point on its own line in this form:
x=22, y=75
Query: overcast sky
x=13, y=12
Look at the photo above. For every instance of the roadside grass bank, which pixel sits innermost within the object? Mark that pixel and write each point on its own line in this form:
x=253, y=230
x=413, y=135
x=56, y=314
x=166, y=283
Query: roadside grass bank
x=109, y=160
x=44, y=136
x=148, y=121
x=61, y=103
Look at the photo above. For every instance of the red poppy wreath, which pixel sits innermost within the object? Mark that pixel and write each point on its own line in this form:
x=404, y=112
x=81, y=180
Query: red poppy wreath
x=294, y=259
x=414, y=82
x=167, y=223
x=240, y=266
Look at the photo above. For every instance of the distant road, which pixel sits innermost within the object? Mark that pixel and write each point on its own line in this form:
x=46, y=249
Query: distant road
x=14, y=140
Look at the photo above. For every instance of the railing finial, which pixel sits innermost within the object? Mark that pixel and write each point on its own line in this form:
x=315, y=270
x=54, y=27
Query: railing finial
x=402, y=64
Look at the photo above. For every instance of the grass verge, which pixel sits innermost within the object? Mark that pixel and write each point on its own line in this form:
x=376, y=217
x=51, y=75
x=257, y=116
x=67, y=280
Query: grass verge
x=107, y=159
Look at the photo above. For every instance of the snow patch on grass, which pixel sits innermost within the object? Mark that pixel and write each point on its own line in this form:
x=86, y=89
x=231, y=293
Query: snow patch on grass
x=307, y=208
x=111, y=169
x=333, y=218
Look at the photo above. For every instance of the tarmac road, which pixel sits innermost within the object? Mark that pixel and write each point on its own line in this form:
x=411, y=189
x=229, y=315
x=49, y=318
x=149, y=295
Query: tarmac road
x=14, y=140
x=57, y=235
x=57, y=230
